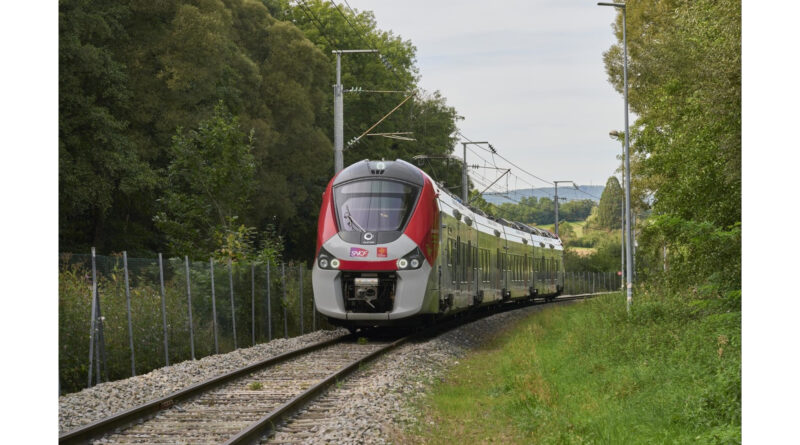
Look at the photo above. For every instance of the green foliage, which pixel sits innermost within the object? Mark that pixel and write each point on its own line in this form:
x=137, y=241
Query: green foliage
x=685, y=71
x=540, y=211
x=101, y=168
x=476, y=200
x=75, y=292
x=609, y=211
x=589, y=373
x=209, y=184
x=132, y=73
x=697, y=253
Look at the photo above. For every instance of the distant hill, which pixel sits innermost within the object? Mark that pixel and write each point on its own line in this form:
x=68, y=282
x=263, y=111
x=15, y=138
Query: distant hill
x=547, y=192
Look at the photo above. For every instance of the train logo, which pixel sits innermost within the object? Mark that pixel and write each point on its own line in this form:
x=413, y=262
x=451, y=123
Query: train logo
x=358, y=252
x=383, y=252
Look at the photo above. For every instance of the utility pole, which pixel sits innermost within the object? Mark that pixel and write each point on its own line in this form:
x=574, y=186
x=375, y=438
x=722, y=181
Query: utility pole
x=556, y=183
x=338, y=109
x=464, y=182
x=629, y=247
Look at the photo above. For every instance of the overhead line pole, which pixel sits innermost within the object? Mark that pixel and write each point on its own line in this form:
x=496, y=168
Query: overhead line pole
x=556, y=184
x=629, y=244
x=338, y=108
x=464, y=182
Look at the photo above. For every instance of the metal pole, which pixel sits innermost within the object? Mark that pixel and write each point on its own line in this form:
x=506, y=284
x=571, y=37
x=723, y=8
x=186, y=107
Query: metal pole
x=283, y=284
x=622, y=215
x=556, y=184
x=633, y=245
x=253, y=302
x=128, y=303
x=269, y=305
x=102, y=363
x=189, y=298
x=338, y=109
x=629, y=249
x=233, y=307
x=92, y=322
x=163, y=308
x=338, y=118
x=214, y=307
x=300, y=279
x=464, y=190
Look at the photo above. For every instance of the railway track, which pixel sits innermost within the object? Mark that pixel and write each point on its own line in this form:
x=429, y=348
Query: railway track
x=304, y=426
x=244, y=406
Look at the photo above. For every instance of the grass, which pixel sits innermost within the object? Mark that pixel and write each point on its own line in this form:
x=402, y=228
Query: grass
x=588, y=373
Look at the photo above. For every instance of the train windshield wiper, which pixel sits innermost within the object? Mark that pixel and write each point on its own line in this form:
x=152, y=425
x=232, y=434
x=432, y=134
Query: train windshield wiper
x=351, y=219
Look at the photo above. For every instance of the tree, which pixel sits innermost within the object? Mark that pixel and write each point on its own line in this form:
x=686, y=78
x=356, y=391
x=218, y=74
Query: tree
x=685, y=87
x=209, y=183
x=132, y=73
x=609, y=212
x=99, y=163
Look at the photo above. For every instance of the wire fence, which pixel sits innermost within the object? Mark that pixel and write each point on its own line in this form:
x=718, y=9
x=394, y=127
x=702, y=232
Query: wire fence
x=576, y=283
x=120, y=316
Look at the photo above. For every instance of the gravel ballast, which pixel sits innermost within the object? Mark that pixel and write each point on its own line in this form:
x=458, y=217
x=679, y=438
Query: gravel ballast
x=374, y=405
x=106, y=399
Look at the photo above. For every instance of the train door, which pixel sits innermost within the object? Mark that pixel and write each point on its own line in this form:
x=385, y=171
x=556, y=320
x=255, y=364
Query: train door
x=525, y=273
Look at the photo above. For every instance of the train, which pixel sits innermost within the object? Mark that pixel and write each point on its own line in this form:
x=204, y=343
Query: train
x=395, y=248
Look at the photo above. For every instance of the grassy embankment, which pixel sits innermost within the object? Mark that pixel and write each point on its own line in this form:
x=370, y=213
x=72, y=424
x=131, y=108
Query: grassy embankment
x=588, y=373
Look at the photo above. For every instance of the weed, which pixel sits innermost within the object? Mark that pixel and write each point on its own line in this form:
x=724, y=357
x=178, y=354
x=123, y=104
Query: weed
x=255, y=386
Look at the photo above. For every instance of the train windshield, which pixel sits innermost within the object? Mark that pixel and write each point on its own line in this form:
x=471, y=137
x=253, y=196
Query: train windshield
x=374, y=205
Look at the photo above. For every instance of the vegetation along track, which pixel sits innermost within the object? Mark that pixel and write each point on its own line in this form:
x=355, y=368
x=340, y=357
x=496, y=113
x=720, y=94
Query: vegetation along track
x=244, y=405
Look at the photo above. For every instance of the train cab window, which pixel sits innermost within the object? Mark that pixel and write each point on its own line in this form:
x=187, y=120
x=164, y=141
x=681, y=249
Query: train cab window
x=374, y=205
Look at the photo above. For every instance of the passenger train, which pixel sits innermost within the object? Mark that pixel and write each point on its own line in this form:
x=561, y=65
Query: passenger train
x=395, y=248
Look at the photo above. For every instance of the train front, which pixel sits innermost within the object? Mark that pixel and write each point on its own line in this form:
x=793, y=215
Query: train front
x=376, y=244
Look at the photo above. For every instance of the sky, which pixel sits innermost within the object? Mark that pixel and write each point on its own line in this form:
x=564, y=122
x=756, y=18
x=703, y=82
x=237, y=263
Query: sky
x=527, y=76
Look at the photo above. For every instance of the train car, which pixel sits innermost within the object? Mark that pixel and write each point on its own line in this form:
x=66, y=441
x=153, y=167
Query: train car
x=394, y=248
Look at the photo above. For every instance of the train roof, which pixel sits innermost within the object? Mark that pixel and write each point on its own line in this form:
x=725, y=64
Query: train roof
x=404, y=171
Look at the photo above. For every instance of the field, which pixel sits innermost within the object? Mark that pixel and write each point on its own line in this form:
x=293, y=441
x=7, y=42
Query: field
x=589, y=373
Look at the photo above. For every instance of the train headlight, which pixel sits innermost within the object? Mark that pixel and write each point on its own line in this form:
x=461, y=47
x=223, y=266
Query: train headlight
x=326, y=261
x=411, y=261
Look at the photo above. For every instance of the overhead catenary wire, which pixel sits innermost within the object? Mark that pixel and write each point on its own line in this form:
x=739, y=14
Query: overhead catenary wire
x=364, y=36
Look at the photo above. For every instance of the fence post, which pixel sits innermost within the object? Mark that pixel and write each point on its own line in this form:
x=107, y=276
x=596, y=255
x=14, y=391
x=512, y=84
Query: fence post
x=300, y=279
x=283, y=302
x=163, y=308
x=189, y=298
x=253, y=302
x=128, y=303
x=269, y=306
x=92, y=322
x=214, y=307
x=233, y=307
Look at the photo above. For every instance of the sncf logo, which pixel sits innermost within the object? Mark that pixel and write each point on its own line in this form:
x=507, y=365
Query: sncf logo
x=358, y=252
